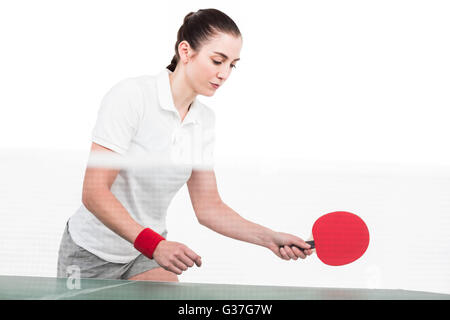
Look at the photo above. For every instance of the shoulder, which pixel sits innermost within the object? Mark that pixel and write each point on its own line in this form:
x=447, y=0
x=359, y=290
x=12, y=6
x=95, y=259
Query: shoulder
x=133, y=85
x=130, y=94
x=126, y=98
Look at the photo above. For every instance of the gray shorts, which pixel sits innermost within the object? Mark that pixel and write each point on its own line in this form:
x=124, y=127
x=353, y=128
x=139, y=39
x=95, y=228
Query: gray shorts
x=72, y=256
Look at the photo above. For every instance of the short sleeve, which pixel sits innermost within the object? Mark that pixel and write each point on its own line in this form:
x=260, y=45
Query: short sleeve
x=119, y=116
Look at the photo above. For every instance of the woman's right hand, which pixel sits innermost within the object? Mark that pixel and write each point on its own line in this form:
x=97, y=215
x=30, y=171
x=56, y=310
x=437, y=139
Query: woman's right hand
x=175, y=256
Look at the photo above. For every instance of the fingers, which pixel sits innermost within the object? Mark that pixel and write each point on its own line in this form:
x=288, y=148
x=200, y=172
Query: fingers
x=288, y=253
x=187, y=260
x=299, y=253
x=302, y=244
x=283, y=253
x=306, y=252
x=176, y=257
x=294, y=248
x=184, y=259
x=178, y=266
x=194, y=257
x=174, y=269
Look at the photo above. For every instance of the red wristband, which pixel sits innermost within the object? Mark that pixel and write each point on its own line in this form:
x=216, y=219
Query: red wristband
x=147, y=241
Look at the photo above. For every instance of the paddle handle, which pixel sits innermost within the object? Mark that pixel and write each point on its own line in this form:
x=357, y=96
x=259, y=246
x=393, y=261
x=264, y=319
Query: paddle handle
x=310, y=242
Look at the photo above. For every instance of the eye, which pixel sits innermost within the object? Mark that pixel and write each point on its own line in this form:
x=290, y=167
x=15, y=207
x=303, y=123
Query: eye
x=220, y=62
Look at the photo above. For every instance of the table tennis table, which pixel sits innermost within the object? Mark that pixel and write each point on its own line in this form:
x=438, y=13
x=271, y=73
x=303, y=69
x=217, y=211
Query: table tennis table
x=47, y=288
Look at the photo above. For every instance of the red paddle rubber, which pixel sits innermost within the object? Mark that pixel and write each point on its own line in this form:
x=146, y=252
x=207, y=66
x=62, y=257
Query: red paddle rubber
x=339, y=238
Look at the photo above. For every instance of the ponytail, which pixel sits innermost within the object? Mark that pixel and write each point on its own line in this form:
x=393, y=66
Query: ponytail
x=199, y=26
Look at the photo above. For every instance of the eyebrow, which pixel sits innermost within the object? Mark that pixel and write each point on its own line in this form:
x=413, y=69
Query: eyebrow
x=225, y=56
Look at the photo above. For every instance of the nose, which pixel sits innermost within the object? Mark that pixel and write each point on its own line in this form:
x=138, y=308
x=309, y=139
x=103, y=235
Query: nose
x=223, y=73
x=221, y=76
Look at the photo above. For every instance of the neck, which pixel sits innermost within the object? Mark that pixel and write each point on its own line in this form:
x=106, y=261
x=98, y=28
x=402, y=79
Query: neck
x=183, y=95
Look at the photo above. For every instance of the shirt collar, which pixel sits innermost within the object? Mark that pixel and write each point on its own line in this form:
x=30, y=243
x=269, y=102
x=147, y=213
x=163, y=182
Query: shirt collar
x=166, y=99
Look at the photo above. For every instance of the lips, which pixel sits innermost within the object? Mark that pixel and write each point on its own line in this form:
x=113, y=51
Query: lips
x=215, y=86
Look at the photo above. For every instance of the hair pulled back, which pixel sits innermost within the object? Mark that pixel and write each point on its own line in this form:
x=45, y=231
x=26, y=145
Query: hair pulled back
x=199, y=27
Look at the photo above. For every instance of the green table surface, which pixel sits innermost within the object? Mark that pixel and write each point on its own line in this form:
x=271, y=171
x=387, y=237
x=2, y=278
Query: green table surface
x=36, y=288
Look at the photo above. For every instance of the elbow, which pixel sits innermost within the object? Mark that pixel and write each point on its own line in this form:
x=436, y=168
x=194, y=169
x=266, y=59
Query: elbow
x=202, y=215
x=89, y=200
x=200, y=218
x=205, y=213
x=203, y=222
x=93, y=193
x=86, y=200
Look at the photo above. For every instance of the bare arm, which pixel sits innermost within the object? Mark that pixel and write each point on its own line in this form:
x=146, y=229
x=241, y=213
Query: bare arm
x=99, y=200
x=226, y=221
x=213, y=213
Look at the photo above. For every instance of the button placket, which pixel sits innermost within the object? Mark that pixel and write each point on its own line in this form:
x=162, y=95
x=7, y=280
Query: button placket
x=177, y=144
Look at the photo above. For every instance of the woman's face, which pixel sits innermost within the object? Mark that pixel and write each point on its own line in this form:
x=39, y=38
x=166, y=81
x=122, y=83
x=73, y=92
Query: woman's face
x=208, y=68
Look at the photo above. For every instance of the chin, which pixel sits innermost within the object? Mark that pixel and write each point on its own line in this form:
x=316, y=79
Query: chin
x=207, y=93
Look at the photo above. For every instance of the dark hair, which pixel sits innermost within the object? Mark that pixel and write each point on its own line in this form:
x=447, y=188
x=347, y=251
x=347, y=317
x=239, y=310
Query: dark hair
x=199, y=26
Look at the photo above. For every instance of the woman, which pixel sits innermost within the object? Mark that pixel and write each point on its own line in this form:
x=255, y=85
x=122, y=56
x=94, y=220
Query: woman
x=119, y=232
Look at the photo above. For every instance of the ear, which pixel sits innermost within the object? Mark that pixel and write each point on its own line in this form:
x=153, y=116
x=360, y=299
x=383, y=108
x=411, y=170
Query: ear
x=185, y=51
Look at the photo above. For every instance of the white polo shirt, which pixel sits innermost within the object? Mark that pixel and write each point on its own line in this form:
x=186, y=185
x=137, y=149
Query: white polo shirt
x=156, y=153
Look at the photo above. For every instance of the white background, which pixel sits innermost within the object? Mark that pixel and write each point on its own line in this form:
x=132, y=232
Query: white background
x=335, y=105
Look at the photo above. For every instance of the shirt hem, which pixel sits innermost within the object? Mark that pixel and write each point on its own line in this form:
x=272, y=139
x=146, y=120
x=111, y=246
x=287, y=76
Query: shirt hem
x=102, y=255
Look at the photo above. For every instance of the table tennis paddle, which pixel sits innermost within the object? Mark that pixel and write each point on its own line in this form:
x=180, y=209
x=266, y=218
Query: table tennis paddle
x=339, y=238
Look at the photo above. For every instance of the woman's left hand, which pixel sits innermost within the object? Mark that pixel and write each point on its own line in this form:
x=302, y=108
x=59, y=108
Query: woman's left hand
x=286, y=246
